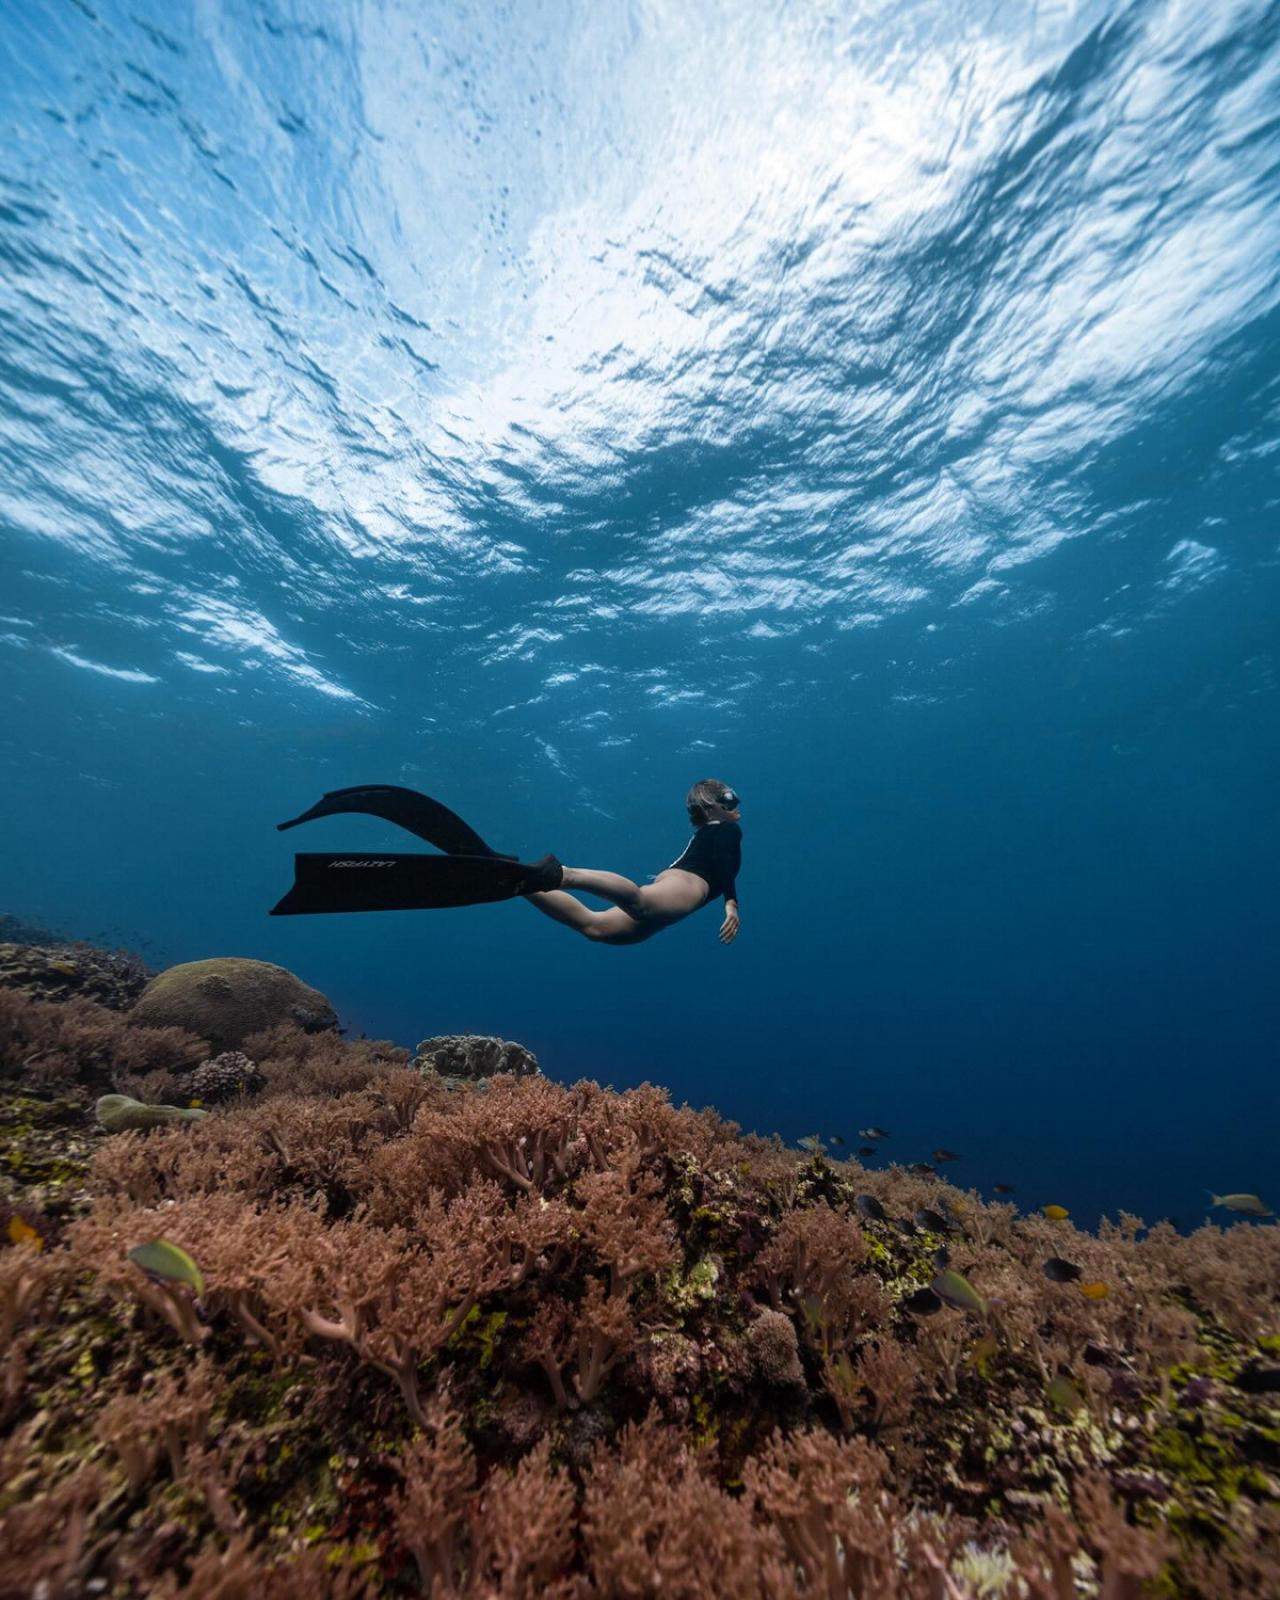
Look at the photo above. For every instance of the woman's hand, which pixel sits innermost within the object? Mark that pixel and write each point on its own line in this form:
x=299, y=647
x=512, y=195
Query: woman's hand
x=729, y=927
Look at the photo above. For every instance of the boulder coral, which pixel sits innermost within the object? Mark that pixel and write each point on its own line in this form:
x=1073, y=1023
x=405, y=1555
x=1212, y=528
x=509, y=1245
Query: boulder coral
x=227, y=998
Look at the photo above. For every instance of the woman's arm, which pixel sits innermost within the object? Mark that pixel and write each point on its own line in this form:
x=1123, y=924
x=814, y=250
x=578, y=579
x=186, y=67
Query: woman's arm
x=728, y=859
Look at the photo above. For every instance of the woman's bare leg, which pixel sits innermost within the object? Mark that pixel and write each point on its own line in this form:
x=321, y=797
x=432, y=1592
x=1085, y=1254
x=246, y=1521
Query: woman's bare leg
x=671, y=896
x=601, y=927
x=638, y=913
x=609, y=886
x=561, y=907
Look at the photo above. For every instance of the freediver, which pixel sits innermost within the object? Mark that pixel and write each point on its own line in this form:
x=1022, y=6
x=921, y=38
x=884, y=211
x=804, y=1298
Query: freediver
x=707, y=869
x=471, y=872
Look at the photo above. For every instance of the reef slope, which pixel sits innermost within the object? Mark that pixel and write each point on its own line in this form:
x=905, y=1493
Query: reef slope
x=514, y=1338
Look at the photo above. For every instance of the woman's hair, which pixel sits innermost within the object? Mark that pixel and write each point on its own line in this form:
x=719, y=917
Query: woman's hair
x=707, y=791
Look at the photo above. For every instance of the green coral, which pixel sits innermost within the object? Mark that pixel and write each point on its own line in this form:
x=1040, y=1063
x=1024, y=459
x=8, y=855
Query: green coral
x=481, y=1334
x=684, y=1292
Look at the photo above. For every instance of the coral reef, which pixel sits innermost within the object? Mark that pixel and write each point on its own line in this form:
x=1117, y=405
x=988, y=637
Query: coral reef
x=227, y=998
x=517, y=1339
x=56, y=970
x=469, y=1056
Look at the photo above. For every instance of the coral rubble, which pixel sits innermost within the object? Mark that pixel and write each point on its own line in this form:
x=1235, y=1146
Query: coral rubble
x=523, y=1339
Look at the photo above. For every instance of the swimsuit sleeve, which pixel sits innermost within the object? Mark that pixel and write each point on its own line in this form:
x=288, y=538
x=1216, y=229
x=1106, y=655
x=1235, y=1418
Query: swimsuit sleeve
x=728, y=857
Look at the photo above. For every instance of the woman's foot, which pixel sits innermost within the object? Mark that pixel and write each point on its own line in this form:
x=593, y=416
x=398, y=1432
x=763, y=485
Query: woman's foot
x=543, y=875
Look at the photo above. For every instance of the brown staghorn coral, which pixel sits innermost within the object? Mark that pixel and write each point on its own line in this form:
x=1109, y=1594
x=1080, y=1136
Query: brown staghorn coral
x=809, y=1254
x=625, y=1220
x=655, y=1522
x=43, y=1528
x=31, y=1283
x=80, y=1044
x=165, y=1417
x=295, y=1061
x=433, y=1509
x=242, y=1571
x=523, y=1532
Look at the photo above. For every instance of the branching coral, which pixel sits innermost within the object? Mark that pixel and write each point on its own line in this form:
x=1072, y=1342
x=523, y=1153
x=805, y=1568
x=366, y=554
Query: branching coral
x=57, y=1045
x=165, y=1417
x=43, y=1533
x=492, y=1252
x=435, y=1503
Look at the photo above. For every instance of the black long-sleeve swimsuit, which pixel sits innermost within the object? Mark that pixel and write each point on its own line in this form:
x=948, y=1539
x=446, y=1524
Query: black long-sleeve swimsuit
x=715, y=854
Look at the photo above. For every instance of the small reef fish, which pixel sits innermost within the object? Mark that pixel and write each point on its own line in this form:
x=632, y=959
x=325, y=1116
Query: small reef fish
x=1055, y=1213
x=945, y=1155
x=1061, y=1271
x=982, y=1352
x=955, y=1290
x=1095, y=1291
x=905, y=1226
x=836, y=1139
x=1002, y=1188
x=923, y=1303
x=1248, y=1205
x=161, y=1258
x=941, y=1258
x=933, y=1220
x=813, y=1310
x=1064, y=1394
x=869, y=1206
x=921, y=1169
x=21, y=1232
x=873, y=1133
x=866, y=1149
x=810, y=1142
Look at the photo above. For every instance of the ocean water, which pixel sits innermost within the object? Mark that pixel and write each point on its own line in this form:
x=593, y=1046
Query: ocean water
x=545, y=406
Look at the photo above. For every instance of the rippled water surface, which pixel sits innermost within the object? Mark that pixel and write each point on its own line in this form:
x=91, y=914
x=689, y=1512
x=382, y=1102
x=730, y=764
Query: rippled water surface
x=545, y=406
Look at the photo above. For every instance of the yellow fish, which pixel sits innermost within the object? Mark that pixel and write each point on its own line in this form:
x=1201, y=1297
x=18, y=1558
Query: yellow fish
x=161, y=1258
x=1094, y=1291
x=1055, y=1213
x=21, y=1232
x=983, y=1350
x=956, y=1290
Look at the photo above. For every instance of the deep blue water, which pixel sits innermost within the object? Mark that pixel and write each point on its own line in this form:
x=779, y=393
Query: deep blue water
x=545, y=406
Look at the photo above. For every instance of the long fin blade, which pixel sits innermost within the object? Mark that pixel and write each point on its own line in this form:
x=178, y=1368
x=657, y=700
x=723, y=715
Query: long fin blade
x=416, y=813
x=395, y=882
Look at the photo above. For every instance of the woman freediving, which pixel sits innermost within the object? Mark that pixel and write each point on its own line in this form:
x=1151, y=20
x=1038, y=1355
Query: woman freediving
x=471, y=872
x=707, y=868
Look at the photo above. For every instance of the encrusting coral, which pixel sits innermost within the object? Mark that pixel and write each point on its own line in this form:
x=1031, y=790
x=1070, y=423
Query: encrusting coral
x=474, y=1055
x=531, y=1340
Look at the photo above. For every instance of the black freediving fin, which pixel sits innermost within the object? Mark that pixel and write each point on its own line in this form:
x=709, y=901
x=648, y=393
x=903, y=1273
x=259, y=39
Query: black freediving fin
x=393, y=882
x=417, y=813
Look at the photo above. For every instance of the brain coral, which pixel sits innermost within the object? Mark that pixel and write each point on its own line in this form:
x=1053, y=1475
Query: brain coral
x=227, y=998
